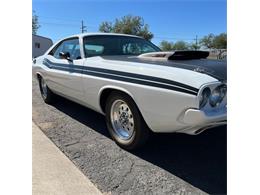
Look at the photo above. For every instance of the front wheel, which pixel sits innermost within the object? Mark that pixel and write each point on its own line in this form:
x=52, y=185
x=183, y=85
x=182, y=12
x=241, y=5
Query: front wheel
x=125, y=122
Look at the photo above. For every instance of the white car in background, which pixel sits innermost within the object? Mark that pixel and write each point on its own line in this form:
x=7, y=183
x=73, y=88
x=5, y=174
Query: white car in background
x=137, y=86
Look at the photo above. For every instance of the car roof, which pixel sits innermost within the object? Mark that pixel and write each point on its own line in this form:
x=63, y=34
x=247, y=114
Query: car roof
x=100, y=33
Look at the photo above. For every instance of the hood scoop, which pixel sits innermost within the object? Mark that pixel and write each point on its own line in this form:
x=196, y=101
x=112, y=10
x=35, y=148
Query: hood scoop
x=175, y=55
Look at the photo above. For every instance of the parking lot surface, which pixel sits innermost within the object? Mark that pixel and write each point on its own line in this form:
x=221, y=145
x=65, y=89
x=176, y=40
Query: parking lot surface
x=167, y=164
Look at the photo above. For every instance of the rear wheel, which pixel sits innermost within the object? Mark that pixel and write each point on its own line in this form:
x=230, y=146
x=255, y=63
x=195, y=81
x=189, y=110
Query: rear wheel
x=125, y=122
x=46, y=93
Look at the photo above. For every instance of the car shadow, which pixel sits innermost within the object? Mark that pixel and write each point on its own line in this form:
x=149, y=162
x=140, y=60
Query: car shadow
x=199, y=160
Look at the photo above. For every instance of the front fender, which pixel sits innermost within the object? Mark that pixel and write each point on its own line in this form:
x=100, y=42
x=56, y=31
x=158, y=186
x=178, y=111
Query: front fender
x=112, y=87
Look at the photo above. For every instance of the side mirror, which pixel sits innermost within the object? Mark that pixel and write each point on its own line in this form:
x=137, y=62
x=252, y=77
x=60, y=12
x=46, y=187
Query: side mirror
x=65, y=55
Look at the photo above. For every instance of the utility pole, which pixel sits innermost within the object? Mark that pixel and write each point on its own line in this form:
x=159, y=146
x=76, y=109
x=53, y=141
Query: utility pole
x=83, y=27
x=196, y=42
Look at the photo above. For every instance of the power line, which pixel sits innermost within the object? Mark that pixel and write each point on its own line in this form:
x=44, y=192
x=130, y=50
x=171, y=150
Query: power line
x=177, y=39
x=196, y=42
x=84, y=28
x=64, y=21
x=55, y=23
x=60, y=19
x=65, y=24
x=173, y=38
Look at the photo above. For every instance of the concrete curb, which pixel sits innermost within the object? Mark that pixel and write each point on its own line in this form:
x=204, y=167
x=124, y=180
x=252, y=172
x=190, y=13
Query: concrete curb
x=53, y=172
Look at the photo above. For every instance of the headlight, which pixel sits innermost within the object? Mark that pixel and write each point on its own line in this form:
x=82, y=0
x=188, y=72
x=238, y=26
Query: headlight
x=217, y=95
x=204, y=96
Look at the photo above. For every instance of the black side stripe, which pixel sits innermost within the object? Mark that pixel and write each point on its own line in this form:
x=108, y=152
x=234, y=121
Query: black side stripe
x=145, y=77
x=123, y=76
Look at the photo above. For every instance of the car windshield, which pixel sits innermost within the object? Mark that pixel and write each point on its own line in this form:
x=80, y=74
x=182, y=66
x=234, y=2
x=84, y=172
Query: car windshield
x=106, y=45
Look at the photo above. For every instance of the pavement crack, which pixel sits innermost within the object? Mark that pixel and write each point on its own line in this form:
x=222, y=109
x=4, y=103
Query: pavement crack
x=71, y=143
x=75, y=142
x=76, y=155
x=124, y=176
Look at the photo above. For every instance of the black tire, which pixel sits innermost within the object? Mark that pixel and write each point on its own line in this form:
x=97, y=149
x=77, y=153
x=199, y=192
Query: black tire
x=140, y=130
x=48, y=96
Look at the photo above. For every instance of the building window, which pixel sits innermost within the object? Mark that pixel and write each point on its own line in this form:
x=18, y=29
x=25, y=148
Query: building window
x=37, y=45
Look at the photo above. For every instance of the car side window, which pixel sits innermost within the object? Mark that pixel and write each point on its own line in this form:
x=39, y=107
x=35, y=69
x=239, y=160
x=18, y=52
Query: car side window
x=106, y=45
x=94, y=50
x=70, y=46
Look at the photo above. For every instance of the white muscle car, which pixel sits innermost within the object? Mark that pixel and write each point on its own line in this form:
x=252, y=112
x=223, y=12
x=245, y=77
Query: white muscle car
x=137, y=86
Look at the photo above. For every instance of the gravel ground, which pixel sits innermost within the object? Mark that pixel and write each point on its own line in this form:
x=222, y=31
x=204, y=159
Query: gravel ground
x=168, y=164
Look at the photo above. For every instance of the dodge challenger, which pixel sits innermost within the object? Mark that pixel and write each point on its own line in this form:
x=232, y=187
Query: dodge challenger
x=138, y=87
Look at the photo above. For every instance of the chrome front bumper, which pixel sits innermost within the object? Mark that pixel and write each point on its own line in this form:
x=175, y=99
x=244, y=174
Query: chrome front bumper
x=197, y=121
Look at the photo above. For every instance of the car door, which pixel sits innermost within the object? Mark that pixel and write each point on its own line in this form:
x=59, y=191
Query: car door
x=64, y=74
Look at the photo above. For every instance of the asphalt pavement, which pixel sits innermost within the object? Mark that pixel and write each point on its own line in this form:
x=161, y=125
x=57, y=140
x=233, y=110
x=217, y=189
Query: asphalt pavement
x=168, y=164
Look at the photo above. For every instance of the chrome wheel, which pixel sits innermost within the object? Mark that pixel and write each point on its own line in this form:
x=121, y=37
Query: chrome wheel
x=122, y=120
x=44, y=88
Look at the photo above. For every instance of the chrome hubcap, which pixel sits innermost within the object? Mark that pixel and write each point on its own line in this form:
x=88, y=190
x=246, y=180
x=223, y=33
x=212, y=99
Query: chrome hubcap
x=44, y=88
x=122, y=119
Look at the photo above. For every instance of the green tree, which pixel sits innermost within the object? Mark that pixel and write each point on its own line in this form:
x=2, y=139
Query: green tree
x=128, y=24
x=170, y=46
x=35, y=23
x=166, y=46
x=220, y=41
x=194, y=46
x=180, y=45
x=207, y=41
x=212, y=41
x=106, y=27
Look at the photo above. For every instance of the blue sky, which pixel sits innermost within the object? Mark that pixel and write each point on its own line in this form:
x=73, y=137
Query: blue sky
x=170, y=20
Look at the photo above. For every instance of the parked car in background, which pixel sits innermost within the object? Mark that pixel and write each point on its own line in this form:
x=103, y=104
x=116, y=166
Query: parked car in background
x=135, y=85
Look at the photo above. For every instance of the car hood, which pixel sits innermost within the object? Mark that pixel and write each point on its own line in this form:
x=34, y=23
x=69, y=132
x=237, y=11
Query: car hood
x=214, y=68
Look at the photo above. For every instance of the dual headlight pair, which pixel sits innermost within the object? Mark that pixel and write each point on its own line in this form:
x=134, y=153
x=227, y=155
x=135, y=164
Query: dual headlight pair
x=214, y=97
